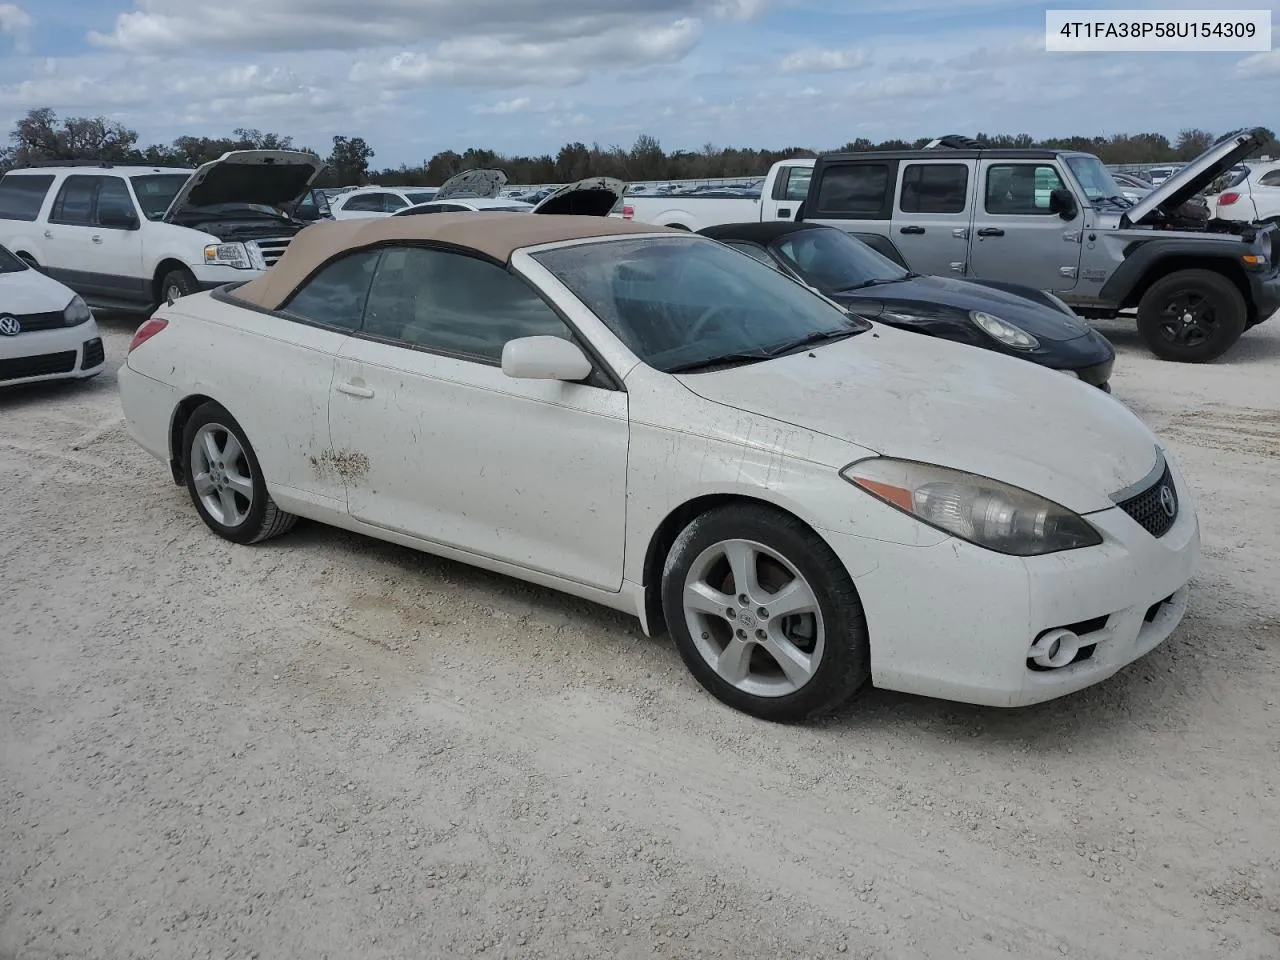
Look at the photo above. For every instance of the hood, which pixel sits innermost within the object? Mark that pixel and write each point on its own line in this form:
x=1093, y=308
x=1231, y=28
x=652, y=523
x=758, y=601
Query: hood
x=270, y=177
x=943, y=296
x=482, y=184
x=593, y=197
x=920, y=398
x=30, y=291
x=1225, y=153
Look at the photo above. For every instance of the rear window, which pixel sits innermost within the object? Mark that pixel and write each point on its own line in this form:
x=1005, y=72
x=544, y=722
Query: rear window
x=416, y=198
x=21, y=195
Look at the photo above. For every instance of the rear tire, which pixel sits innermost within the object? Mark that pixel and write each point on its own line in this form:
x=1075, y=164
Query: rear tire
x=225, y=480
x=1192, y=316
x=764, y=614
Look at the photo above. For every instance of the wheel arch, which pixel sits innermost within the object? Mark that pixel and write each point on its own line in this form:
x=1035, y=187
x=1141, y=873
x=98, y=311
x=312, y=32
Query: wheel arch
x=164, y=267
x=1173, y=263
x=177, y=425
x=665, y=534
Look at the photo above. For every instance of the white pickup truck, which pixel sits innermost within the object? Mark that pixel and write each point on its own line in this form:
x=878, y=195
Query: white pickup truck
x=782, y=192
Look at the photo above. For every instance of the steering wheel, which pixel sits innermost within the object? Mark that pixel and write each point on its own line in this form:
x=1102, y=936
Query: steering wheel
x=695, y=331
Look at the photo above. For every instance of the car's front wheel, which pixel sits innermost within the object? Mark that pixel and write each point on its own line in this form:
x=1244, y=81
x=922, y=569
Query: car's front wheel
x=177, y=284
x=225, y=479
x=764, y=614
x=1192, y=316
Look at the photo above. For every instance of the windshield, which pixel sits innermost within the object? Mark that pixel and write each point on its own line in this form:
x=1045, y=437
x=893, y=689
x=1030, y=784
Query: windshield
x=680, y=301
x=9, y=263
x=155, y=191
x=835, y=262
x=1094, y=177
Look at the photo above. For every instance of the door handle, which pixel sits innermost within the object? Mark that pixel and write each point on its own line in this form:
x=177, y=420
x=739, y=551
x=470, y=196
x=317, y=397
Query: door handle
x=96, y=239
x=784, y=214
x=912, y=230
x=48, y=234
x=355, y=390
x=991, y=232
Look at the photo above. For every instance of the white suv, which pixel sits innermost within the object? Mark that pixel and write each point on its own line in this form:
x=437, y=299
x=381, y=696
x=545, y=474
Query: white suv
x=127, y=238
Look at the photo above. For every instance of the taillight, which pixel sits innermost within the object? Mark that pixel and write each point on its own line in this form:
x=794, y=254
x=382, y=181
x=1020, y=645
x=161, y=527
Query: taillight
x=146, y=332
x=628, y=213
x=1227, y=199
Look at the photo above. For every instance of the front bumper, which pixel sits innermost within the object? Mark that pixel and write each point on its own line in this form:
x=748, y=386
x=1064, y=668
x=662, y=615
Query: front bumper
x=1264, y=289
x=67, y=353
x=208, y=277
x=957, y=622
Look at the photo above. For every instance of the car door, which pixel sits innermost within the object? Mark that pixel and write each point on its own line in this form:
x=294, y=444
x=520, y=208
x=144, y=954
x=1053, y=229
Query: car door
x=117, y=242
x=933, y=212
x=449, y=449
x=70, y=255
x=1016, y=237
x=790, y=188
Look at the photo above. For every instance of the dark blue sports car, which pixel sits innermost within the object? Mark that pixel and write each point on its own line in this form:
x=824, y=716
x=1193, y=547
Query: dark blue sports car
x=1004, y=317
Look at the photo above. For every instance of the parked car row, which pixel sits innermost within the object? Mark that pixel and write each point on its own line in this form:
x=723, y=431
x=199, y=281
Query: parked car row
x=807, y=500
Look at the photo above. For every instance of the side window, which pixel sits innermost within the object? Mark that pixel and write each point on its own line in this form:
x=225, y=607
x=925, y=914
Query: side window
x=857, y=191
x=114, y=202
x=792, y=183
x=391, y=203
x=22, y=196
x=336, y=296
x=1021, y=188
x=1271, y=179
x=934, y=188
x=455, y=304
x=755, y=253
x=74, y=203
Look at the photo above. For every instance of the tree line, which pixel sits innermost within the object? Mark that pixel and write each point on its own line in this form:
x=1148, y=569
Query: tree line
x=41, y=137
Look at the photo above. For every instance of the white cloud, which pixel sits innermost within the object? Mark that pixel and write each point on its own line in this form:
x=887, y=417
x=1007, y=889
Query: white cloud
x=518, y=105
x=15, y=23
x=493, y=61
x=817, y=60
x=1260, y=65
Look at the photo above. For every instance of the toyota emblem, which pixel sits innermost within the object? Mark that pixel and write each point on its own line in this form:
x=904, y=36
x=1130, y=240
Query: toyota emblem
x=1168, y=501
x=9, y=325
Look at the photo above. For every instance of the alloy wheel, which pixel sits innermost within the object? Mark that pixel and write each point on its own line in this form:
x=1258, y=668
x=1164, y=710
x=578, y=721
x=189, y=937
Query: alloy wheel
x=222, y=475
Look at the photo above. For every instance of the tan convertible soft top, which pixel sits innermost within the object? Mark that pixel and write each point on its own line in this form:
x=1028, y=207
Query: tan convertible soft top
x=495, y=235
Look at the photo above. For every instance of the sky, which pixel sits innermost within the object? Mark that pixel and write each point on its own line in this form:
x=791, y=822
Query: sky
x=413, y=77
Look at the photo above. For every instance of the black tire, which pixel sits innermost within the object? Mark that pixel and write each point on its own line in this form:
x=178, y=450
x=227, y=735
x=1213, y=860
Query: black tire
x=1218, y=310
x=263, y=519
x=180, y=281
x=844, y=665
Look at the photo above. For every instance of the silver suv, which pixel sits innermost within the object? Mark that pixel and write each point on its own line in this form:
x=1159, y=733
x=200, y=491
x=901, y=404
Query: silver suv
x=1057, y=221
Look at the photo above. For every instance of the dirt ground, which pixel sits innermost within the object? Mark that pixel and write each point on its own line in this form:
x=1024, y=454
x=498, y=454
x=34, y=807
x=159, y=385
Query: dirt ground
x=330, y=747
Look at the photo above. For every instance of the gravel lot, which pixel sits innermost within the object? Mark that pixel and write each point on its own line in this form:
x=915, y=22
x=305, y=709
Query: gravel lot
x=329, y=747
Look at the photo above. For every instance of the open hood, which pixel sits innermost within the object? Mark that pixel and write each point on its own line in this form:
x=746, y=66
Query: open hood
x=593, y=197
x=270, y=177
x=1225, y=153
x=472, y=184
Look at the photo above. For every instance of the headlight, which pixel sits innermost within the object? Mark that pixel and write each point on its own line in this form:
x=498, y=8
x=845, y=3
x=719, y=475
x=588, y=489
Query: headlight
x=1059, y=303
x=1003, y=331
x=76, y=313
x=986, y=512
x=227, y=255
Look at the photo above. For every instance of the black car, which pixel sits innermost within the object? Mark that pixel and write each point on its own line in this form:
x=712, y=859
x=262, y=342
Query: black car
x=1004, y=317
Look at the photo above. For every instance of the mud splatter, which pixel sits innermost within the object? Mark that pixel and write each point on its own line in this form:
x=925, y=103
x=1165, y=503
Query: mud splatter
x=346, y=465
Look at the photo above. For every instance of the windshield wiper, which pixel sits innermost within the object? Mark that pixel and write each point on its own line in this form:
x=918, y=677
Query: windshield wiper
x=818, y=336
x=721, y=360
x=873, y=282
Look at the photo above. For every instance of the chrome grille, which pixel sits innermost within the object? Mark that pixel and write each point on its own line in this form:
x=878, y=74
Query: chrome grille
x=272, y=249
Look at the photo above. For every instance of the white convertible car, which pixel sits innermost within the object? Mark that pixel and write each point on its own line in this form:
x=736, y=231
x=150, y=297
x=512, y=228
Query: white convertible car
x=46, y=331
x=806, y=500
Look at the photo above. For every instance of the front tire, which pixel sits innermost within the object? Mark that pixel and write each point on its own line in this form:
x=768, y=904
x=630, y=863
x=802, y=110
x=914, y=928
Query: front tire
x=764, y=614
x=225, y=480
x=177, y=284
x=1192, y=316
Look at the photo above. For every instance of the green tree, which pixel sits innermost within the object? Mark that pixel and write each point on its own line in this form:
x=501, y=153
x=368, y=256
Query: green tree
x=350, y=160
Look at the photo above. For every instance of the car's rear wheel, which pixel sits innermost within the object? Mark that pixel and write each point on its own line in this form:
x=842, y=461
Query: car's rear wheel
x=225, y=480
x=764, y=614
x=1192, y=316
x=177, y=284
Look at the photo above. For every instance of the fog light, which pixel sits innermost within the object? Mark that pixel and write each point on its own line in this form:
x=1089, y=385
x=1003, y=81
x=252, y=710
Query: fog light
x=1054, y=648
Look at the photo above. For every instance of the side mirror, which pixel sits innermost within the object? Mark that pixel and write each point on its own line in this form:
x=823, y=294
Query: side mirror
x=1063, y=202
x=544, y=358
x=118, y=220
